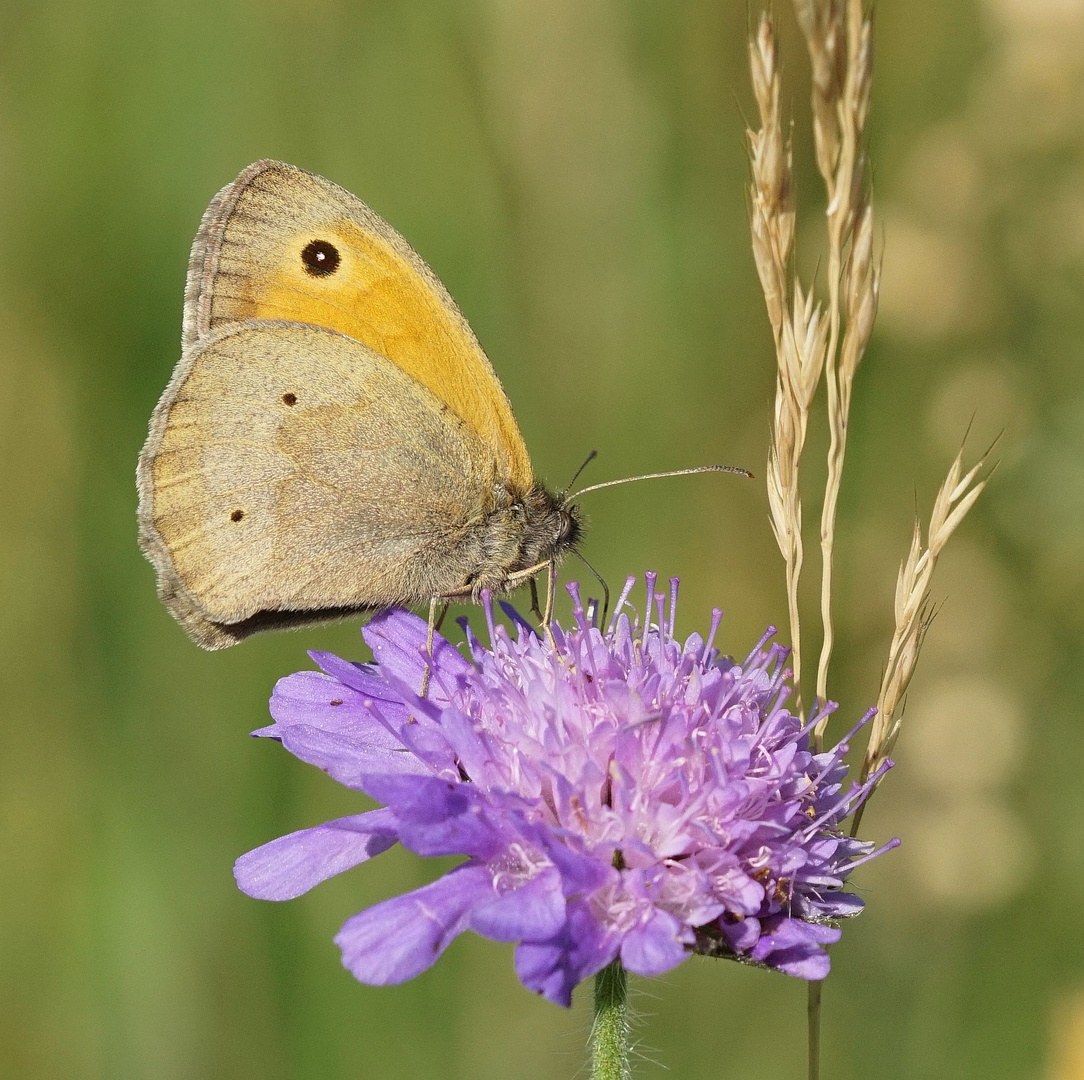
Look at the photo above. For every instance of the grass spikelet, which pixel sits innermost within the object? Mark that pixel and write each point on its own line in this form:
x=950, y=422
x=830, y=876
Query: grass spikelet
x=913, y=609
x=799, y=329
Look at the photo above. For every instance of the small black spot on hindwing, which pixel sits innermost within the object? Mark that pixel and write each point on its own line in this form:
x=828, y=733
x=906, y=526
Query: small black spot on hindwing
x=237, y=515
x=320, y=258
x=289, y=399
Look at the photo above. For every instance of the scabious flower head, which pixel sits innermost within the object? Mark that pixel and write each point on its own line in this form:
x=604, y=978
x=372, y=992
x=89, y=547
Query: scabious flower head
x=615, y=793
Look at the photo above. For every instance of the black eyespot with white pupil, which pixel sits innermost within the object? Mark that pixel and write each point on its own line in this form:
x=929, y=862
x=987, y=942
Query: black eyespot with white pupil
x=320, y=258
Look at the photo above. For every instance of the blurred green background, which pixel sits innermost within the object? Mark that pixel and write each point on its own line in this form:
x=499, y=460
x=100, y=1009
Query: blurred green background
x=574, y=170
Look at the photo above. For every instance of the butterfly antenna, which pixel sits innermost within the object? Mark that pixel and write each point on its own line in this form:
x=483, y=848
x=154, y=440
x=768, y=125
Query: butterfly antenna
x=602, y=582
x=586, y=461
x=660, y=475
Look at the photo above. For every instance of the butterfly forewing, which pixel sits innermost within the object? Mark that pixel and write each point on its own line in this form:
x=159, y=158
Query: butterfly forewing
x=281, y=243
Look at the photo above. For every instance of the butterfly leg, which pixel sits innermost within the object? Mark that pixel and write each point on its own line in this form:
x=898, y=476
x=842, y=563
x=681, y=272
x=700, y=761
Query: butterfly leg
x=435, y=622
x=551, y=588
x=551, y=584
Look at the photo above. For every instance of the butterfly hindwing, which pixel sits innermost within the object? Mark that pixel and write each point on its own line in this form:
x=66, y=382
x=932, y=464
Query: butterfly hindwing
x=293, y=470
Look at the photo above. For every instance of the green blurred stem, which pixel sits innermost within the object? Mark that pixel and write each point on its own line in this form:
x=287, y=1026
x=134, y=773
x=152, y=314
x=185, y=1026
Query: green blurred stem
x=610, y=1031
x=813, y=1020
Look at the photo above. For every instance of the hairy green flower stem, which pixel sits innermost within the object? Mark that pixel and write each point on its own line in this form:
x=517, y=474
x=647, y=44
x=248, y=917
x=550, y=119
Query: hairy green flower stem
x=610, y=1030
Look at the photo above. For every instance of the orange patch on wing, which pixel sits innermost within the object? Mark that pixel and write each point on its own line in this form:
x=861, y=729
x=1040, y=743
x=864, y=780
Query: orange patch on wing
x=378, y=298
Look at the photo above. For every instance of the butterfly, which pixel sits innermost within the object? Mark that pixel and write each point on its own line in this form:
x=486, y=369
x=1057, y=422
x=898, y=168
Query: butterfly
x=333, y=439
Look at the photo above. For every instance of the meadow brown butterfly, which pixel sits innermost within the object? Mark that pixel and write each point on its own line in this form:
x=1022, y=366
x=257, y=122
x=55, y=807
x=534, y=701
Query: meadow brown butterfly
x=333, y=439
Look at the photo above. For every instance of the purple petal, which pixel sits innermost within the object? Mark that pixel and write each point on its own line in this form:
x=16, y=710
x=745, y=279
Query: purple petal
x=580, y=874
x=730, y=883
x=742, y=934
x=835, y=905
x=399, y=638
x=806, y=963
x=441, y=817
x=364, y=678
x=582, y=947
x=318, y=700
x=293, y=864
x=796, y=947
x=522, y=625
x=471, y=751
x=401, y=937
x=535, y=911
x=655, y=945
x=428, y=743
x=346, y=760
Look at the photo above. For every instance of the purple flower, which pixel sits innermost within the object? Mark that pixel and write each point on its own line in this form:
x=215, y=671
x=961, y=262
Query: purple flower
x=615, y=794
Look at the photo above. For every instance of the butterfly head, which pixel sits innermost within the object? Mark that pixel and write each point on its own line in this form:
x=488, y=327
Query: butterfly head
x=551, y=527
